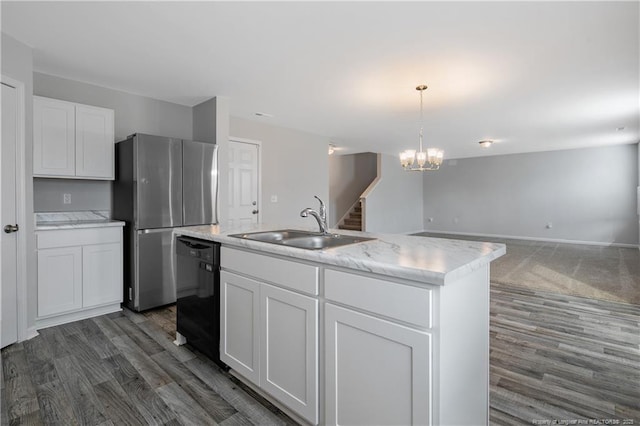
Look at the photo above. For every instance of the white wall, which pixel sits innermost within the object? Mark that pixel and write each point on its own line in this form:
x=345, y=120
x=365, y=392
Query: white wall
x=395, y=204
x=586, y=194
x=349, y=176
x=294, y=168
x=17, y=63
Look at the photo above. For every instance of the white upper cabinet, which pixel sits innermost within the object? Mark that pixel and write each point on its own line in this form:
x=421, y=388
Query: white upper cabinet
x=94, y=142
x=54, y=146
x=72, y=140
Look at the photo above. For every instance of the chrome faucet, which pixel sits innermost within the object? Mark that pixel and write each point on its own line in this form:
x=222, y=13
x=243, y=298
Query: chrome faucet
x=320, y=217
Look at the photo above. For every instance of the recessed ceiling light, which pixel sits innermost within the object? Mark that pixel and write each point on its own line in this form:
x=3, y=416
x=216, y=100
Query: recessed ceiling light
x=485, y=143
x=264, y=114
x=621, y=128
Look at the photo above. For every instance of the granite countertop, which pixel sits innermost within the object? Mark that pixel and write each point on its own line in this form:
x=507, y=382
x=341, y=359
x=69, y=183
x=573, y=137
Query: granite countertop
x=423, y=259
x=74, y=220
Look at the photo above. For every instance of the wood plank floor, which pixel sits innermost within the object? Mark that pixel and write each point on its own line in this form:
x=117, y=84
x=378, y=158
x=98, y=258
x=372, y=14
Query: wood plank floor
x=563, y=358
x=553, y=358
x=122, y=369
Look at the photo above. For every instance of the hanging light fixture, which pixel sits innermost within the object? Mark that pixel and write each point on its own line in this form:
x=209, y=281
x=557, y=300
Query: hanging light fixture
x=421, y=161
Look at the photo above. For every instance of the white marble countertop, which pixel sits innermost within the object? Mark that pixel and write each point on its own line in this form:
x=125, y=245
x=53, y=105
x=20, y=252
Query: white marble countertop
x=74, y=220
x=424, y=259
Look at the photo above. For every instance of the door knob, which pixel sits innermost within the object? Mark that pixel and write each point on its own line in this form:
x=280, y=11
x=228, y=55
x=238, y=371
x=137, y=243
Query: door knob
x=255, y=212
x=11, y=228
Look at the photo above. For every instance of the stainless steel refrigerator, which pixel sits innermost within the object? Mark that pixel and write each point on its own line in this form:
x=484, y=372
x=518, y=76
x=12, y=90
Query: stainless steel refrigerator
x=161, y=183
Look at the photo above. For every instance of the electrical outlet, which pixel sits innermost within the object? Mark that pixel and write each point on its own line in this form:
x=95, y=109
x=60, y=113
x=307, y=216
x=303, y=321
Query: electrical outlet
x=66, y=198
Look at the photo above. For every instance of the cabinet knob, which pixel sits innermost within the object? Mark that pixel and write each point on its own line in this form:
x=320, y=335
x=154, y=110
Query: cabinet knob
x=11, y=228
x=255, y=212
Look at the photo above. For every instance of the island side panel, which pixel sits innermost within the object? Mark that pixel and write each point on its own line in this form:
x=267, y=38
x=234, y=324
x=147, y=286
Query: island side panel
x=463, y=397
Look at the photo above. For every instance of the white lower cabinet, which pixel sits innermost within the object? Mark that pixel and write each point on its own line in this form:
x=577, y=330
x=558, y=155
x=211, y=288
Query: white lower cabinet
x=101, y=274
x=389, y=351
x=240, y=324
x=377, y=372
x=289, y=349
x=269, y=335
x=59, y=280
x=79, y=274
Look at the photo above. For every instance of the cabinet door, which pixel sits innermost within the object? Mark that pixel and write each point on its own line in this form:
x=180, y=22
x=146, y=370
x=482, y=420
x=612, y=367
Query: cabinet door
x=377, y=372
x=288, y=349
x=59, y=280
x=94, y=142
x=240, y=324
x=53, y=137
x=101, y=274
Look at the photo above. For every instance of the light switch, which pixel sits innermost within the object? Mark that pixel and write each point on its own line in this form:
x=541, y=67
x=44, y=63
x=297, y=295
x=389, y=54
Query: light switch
x=274, y=198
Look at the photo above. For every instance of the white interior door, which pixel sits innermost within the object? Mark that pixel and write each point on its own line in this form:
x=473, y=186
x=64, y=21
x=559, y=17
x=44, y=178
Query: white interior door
x=8, y=216
x=244, y=175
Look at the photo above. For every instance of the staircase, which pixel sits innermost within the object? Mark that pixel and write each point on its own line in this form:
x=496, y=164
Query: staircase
x=354, y=221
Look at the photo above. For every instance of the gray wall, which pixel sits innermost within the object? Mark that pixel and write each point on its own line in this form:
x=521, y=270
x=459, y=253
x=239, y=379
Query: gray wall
x=17, y=63
x=133, y=114
x=211, y=124
x=85, y=195
x=294, y=167
x=395, y=204
x=349, y=176
x=586, y=194
x=205, y=119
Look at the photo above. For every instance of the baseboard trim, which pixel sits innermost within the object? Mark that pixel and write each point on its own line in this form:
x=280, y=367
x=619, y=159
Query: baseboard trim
x=413, y=232
x=31, y=333
x=547, y=240
x=76, y=316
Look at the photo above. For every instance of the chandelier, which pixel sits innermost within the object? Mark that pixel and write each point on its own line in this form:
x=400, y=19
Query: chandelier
x=421, y=161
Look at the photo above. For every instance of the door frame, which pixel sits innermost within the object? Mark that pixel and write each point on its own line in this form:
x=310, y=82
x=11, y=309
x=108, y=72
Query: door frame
x=259, y=147
x=21, y=210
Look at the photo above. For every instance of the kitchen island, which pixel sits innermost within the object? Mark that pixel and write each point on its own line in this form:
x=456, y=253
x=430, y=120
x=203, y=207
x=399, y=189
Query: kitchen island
x=394, y=330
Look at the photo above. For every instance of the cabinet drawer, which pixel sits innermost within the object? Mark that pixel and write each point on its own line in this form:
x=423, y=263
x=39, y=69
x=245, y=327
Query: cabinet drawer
x=78, y=237
x=296, y=276
x=412, y=305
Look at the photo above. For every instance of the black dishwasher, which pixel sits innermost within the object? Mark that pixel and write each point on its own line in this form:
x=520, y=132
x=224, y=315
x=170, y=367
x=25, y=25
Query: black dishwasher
x=198, y=295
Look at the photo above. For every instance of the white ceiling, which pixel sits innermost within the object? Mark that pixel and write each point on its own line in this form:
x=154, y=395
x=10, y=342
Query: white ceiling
x=534, y=76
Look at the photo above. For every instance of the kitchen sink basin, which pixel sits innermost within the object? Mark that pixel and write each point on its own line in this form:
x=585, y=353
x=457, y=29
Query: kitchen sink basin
x=303, y=239
x=275, y=236
x=317, y=242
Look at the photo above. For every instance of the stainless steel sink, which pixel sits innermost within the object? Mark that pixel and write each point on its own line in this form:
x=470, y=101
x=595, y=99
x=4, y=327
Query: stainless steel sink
x=275, y=236
x=303, y=239
x=318, y=242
